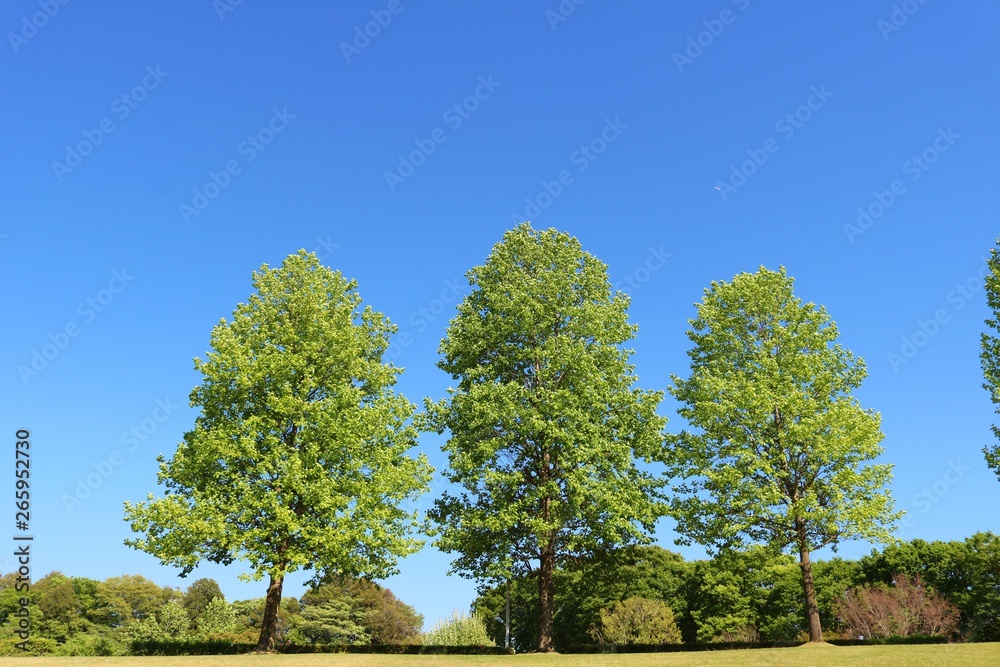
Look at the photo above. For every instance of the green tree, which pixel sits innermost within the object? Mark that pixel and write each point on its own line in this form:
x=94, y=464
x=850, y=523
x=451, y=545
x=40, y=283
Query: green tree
x=990, y=355
x=174, y=620
x=781, y=455
x=218, y=617
x=198, y=596
x=336, y=621
x=297, y=460
x=384, y=617
x=639, y=621
x=121, y=600
x=544, y=425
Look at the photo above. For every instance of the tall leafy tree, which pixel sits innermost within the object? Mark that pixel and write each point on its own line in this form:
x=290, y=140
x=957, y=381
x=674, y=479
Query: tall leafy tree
x=298, y=459
x=990, y=355
x=545, y=424
x=780, y=453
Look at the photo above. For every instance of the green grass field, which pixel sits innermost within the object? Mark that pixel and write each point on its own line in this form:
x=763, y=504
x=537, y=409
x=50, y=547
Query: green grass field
x=952, y=655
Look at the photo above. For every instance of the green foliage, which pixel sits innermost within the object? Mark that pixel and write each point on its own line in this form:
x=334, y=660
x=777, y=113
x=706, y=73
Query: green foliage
x=990, y=355
x=967, y=573
x=145, y=630
x=638, y=620
x=11, y=646
x=781, y=452
x=459, y=630
x=383, y=616
x=217, y=618
x=198, y=596
x=336, y=621
x=95, y=641
x=121, y=600
x=545, y=424
x=174, y=620
x=586, y=587
x=297, y=459
x=250, y=617
x=780, y=439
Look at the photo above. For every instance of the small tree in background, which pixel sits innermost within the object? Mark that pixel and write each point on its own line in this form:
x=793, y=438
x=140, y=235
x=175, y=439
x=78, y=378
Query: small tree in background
x=174, y=620
x=638, y=621
x=907, y=607
x=198, y=596
x=384, y=616
x=218, y=617
x=332, y=622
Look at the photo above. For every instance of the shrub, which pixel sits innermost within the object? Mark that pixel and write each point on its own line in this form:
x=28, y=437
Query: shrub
x=638, y=620
x=906, y=608
x=748, y=634
x=459, y=630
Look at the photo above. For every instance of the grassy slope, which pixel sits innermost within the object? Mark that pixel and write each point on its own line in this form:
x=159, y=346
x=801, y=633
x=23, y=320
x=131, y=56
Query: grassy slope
x=954, y=655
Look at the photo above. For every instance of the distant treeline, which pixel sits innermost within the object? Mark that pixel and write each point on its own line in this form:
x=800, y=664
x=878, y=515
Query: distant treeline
x=79, y=616
x=753, y=597
x=746, y=597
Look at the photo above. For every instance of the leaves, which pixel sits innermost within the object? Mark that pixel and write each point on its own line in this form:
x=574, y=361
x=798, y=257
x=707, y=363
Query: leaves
x=544, y=424
x=990, y=355
x=298, y=458
x=779, y=437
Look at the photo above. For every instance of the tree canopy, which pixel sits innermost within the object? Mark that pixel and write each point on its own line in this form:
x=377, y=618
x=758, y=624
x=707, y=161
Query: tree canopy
x=298, y=458
x=545, y=425
x=780, y=453
x=990, y=354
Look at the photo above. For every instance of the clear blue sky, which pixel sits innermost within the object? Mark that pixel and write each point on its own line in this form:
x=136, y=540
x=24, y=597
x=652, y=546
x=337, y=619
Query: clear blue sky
x=117, y=113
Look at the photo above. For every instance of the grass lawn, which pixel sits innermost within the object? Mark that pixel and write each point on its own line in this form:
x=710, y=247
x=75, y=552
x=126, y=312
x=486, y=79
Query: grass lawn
x=949, y=655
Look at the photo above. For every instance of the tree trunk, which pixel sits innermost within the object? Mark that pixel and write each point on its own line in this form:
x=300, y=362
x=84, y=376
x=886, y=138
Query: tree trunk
x=546, y=597
x=270, y=623
x=809, y=589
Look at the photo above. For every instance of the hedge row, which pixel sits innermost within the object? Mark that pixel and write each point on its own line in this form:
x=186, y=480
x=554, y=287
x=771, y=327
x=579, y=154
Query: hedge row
x=727, y=646
x=229, y=648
